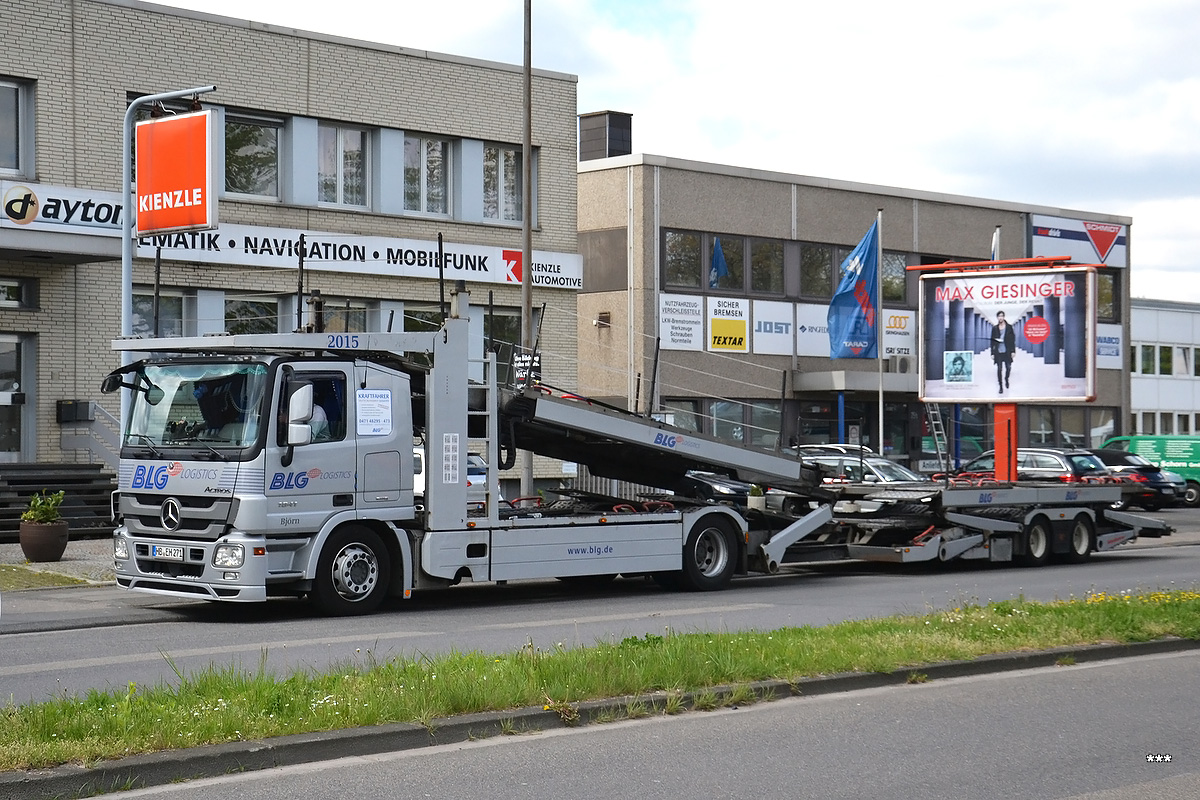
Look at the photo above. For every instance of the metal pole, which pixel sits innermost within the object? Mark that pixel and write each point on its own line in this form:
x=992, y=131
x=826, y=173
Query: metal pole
x=527, y=226
x=128, y=215
x=879, y=318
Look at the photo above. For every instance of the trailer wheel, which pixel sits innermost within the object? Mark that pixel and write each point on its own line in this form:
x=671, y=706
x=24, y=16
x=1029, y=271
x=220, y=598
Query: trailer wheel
x=1081, y=540
x=1037, y=543
x=709, y=557
x=352, y=573
x=1191, y=495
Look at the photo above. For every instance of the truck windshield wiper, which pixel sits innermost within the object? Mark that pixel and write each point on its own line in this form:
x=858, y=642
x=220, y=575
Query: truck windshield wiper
x=217, y=454
x=146, y=440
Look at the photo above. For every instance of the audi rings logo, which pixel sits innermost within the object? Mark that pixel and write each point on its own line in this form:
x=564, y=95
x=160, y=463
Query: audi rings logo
x=171, y=514
x=897, y=322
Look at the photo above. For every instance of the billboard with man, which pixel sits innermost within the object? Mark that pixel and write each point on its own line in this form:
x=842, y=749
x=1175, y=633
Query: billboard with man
x=1007, y=336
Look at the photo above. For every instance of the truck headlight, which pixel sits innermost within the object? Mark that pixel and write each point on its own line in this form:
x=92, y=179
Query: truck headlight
x=229, y=556
x=120, y=548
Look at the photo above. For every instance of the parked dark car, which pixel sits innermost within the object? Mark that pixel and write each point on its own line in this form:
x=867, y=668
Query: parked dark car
x=1044, y=464
x=1155, y=488
x=712, y=486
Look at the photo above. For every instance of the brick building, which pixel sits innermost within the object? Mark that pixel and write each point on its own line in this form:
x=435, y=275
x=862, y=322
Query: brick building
x=371, y=151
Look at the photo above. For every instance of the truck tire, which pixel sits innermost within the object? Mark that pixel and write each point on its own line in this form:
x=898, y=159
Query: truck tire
x=1082, y=540
x=352, y=573
x=1191, y=495
x=1036, y=539
x=709, y=556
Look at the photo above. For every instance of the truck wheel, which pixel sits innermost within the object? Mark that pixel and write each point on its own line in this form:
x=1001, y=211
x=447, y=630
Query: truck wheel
x=352, y=573
x=709, y=557
x=1082, y=542
x=1191, y=495
x=1037, y=543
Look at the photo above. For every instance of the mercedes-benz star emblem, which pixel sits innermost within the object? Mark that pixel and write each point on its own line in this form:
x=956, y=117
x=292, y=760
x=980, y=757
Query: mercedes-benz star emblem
x=171, y=514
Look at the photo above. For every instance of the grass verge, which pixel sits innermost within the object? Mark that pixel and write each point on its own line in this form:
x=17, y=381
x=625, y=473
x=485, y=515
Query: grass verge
x=227, y=704
x=14, y=577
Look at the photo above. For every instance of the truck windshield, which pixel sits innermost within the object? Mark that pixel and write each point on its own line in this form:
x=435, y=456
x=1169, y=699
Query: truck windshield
x=217, y=404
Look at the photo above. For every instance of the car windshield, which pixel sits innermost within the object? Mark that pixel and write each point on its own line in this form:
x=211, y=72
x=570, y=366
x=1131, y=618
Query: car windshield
x=1086, y=462
x=891, y=471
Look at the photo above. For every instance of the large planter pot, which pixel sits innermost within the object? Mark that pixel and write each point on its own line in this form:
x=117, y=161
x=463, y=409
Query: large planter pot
x=756, y=502
x=44, y=541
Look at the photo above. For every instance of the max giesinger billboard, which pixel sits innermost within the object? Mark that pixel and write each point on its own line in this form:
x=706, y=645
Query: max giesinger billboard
x=1006, y=336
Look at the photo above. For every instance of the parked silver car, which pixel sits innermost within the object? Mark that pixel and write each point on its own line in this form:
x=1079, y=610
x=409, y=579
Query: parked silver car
x=839, y=469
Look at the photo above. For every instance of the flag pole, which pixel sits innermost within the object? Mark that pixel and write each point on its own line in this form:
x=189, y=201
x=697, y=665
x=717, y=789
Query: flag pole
x=879, y=316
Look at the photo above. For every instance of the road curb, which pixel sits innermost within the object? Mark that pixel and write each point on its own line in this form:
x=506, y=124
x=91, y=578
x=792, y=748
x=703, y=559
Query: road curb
x=157, y=769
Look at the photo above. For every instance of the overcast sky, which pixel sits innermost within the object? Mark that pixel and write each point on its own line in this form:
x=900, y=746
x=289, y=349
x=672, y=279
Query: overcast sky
x=1090, y=105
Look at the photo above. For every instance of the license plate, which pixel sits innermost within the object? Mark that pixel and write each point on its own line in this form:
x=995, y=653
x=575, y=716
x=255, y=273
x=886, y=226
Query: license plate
x=166, y=552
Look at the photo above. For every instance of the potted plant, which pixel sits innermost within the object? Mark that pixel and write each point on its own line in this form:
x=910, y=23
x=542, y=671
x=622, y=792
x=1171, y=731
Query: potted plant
x=43, y=532
x=755, y=498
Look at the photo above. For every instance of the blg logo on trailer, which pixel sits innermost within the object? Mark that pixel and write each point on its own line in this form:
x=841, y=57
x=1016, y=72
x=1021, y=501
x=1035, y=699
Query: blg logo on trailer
x=673, y=441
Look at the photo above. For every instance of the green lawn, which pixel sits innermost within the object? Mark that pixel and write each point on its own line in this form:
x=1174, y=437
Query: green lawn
x=226, y=704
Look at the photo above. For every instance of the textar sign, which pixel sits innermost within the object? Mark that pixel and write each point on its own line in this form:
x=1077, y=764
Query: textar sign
x=175, y=186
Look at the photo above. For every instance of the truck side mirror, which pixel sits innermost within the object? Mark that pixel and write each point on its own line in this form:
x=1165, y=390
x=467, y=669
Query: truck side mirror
x=300, y=409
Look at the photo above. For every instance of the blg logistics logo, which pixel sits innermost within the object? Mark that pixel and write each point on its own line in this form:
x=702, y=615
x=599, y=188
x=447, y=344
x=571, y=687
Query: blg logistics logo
x=175, y=186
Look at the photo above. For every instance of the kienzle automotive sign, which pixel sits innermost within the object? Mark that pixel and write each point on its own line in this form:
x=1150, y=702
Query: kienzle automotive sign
x=175, y=185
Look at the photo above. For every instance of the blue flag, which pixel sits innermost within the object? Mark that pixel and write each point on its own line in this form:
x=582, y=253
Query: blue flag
x=719, y=268
x=854, y=311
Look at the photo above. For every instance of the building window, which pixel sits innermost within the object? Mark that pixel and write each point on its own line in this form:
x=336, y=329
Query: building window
x=681, y=257
x=170, y=315
x=426, y=175
x=733, y=248
x=766, y=266
x=1168, y=423
x=728, y=421
x=341, y=166
x=765, y=419
x=1148, y=359
x=252, y=156
x=1103, y=423
x=1108, y=305
x=1072, y=430
x=1185, y=424
x=16, y=293
x=345, y=316
x=502, y=175
x=1196, y=363
x=15, y=132
x=893, y=275
x=1164, y=360
x=1148, y=420
x=1041, y=426
x=246, y=315
x=816, y=270
x=684, y=414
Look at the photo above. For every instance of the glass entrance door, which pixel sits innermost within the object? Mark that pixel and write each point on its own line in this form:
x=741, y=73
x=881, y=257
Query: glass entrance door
x=10, y=413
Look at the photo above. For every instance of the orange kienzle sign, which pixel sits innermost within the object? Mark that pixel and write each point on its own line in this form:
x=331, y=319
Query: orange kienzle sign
x=175, y=187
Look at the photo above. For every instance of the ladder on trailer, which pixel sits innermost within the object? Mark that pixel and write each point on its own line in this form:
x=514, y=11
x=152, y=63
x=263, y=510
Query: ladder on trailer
x=937, y=429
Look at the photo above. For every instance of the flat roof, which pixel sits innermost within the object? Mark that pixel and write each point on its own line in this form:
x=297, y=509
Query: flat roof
x=643, y=159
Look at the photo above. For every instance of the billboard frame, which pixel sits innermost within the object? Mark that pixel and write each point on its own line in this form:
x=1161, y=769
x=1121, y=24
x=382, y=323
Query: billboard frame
x=1053, y=330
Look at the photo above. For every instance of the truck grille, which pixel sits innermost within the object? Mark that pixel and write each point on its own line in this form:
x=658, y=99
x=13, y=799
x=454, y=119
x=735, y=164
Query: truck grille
x=204, y=518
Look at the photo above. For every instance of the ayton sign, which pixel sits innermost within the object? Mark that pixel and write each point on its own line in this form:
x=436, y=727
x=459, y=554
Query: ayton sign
x=175, y=186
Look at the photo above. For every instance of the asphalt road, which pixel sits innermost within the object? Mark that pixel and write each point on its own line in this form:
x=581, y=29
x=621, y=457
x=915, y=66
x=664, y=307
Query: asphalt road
x=72, y=640
x=1098, y=731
